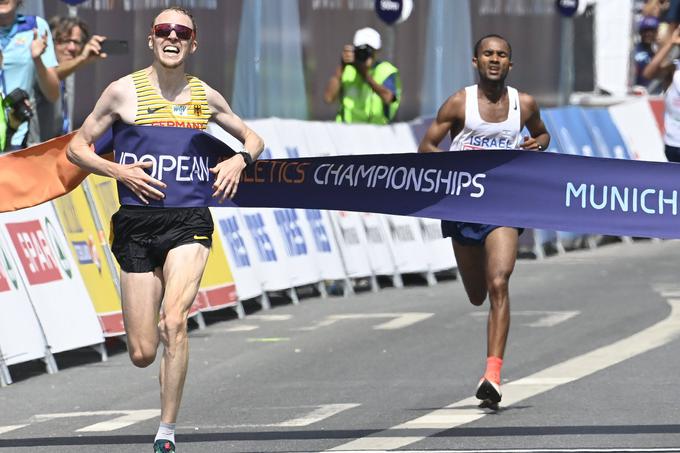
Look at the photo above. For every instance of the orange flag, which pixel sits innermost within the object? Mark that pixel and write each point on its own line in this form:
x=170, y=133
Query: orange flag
x=37, y=174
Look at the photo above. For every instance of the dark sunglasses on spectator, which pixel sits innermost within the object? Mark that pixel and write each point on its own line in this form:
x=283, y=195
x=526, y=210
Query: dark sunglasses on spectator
x=164, y=30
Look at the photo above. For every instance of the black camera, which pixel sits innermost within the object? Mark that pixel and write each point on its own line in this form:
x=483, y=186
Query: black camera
x=362, y=53
x=15, y=102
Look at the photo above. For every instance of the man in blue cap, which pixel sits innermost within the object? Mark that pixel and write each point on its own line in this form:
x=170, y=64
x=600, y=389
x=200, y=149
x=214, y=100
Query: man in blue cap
x=645, y=48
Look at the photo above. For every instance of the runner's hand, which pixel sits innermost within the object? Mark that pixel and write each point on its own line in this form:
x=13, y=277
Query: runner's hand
x=139, y=182
x=227, y=175
x=530, y=143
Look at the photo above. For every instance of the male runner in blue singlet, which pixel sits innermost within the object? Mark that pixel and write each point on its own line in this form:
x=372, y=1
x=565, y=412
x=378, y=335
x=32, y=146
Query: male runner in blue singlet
x=489, y=115
x=162, y=251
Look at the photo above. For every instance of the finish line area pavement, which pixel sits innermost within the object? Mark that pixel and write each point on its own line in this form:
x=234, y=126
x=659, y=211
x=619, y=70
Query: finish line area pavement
x=591, y=365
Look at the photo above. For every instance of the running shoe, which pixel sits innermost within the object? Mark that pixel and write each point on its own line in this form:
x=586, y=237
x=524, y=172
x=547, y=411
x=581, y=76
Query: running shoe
x=163, y=446
x=488, y=390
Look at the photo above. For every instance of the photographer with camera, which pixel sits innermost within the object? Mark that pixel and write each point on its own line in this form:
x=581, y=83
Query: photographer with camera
x=368, y=90
x=15, y=110
x=29, y=60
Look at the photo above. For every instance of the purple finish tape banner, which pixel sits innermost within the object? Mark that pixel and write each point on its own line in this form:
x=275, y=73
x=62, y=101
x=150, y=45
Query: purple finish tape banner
x=499, y=187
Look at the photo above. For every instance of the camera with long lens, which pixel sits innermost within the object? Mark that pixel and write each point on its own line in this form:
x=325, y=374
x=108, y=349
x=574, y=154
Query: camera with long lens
x=15, y=102
x=362, y=53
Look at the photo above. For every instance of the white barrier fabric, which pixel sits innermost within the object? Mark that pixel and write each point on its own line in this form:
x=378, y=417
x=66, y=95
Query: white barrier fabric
x=52, y=279
x=378, y=245
x=635, y=121
x=406, y=242
x=20, y=336
x=242, y=262
x=292, y=139
x=351, y=238
x=439, y=250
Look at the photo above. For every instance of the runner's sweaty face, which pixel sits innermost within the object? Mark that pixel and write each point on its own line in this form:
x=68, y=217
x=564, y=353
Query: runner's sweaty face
x=171, y=51
x=493, y=60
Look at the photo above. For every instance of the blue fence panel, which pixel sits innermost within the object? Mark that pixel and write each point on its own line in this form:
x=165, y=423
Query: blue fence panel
x=605, y=134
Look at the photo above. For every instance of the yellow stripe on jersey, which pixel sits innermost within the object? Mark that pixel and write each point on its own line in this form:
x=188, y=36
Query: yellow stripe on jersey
x=154, y=110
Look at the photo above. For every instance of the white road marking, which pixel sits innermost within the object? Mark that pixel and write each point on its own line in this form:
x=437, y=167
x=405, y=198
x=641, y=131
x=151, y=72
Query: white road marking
x=465, y=411
x=126, y=419
x=8, y=428
x=546, y=318
x=318, y=413
x=545, y=450
x=271, y=317
x=400, y=320
x=239, y=328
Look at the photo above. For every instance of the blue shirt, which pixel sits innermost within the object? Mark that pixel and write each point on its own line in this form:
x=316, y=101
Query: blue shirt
x=18, y=68
x=642, y=55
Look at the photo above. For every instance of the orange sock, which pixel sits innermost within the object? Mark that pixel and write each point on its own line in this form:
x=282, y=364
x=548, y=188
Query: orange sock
x=493, y=369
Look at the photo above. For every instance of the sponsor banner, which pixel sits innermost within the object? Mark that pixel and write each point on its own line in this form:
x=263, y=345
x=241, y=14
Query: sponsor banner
x=239, y=249
x=89, y=246
x=439, y=249
x=353, y=244
x=52, y=278
x=380, y=254
x=406, y=243
x=635, y=121
x=268, y=251
x=20, y=336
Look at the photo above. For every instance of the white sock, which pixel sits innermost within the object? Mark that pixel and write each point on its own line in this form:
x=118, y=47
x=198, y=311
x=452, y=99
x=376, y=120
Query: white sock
x=166, y=431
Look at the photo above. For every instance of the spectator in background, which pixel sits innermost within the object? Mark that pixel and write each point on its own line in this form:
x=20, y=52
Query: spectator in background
x=368, y=90
x=10, y=117
x=29, y=57
x=74, y=49
x=656, y=8
x=669, y=73
x=645, y=48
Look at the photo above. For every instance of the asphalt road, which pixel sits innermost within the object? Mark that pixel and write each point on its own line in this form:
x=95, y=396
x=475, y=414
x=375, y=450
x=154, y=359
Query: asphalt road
x=591, y=364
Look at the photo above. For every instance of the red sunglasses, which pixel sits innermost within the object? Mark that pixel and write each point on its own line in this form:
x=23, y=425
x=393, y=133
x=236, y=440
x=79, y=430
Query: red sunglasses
x=164, y=30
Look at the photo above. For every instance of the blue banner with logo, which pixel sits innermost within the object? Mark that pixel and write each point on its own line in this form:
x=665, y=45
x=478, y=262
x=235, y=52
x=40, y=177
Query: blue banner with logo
x=501, y=187
x=513, y=188
x=180, y=157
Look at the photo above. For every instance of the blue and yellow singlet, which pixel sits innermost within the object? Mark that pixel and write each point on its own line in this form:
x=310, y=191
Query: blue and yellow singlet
x=154, y=110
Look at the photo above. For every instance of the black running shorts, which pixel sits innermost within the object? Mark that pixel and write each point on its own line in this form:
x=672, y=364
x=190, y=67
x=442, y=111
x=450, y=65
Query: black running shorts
x=141, y=237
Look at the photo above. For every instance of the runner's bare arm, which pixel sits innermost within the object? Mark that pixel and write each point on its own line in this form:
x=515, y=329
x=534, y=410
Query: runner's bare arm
x=531, y=118
x=227, y=173
x=450, y=118
x=103, y=116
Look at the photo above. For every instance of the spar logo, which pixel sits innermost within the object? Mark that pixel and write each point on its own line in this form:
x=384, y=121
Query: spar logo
x=8, y=274
x=41, y=252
